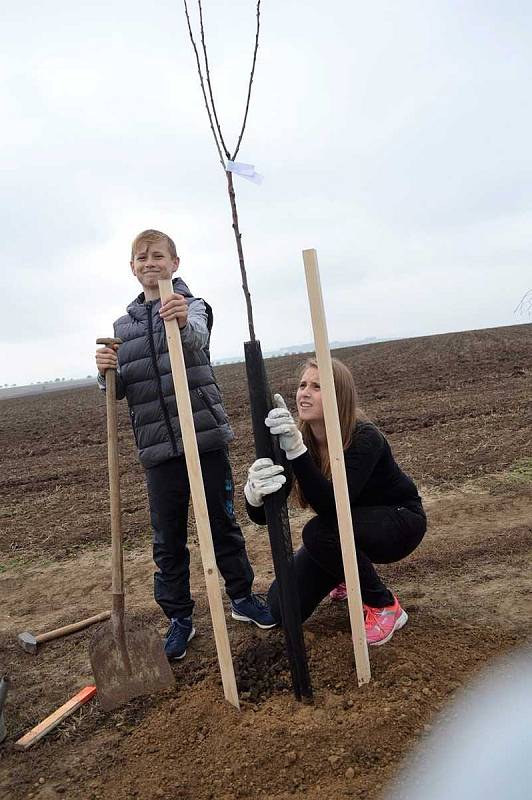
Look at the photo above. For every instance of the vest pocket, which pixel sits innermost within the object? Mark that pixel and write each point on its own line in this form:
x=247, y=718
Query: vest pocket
x=207, y=403
x=133, y=425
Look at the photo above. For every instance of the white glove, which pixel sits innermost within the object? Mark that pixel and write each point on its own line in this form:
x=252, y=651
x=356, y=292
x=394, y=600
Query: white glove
x=264, y=477
x=281, y=423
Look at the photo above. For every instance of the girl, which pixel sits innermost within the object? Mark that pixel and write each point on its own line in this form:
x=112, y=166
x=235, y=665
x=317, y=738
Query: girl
x=388, y=517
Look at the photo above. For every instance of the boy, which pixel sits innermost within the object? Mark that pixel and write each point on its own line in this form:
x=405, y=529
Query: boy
x=144, y=377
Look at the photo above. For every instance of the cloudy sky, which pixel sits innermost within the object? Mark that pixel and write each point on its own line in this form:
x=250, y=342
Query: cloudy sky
x=395, y=138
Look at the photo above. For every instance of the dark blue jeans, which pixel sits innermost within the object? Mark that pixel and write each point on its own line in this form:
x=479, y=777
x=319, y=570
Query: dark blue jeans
x=383, y=534
x=169, y=496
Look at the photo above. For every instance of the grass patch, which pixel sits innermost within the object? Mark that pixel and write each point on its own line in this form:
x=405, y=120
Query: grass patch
x=517, y=477
x=520, y=471
x=25, y=560
x=13, y=563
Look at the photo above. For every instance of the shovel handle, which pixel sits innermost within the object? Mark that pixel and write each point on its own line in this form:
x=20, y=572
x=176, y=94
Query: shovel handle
x=117, y=563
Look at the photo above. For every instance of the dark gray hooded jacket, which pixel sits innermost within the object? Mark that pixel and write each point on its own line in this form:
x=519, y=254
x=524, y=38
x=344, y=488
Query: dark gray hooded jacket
x=144, y=377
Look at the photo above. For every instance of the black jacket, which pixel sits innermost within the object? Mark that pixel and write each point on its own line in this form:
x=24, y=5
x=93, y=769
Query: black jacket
x=373, y=477
x=145, y=378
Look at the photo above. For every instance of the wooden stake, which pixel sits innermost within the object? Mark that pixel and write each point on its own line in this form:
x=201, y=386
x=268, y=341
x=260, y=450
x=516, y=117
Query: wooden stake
x=54, y=719
x=336, y=455
x=197, y=490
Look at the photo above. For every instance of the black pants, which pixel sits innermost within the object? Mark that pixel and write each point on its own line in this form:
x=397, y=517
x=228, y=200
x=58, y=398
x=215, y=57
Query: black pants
x=383, y=534
x=169, y=496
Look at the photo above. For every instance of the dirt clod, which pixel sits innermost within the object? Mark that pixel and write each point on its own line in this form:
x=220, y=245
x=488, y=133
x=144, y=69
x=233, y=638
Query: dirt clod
x=262, y=668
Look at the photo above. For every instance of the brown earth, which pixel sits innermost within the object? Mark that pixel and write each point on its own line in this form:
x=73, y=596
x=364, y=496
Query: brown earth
x=456, y=409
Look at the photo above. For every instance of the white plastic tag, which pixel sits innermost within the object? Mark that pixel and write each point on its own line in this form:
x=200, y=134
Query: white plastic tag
x=246, y=171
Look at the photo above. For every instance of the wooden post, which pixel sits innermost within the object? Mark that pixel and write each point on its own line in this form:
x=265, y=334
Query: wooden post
x=197, y=491
x=336, y=455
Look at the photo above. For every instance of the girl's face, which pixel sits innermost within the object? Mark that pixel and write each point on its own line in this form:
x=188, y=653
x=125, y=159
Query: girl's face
x=308, y=397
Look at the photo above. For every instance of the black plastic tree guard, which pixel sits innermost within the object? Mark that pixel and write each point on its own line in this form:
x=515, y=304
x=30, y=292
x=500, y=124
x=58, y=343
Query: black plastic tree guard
x=278, y=526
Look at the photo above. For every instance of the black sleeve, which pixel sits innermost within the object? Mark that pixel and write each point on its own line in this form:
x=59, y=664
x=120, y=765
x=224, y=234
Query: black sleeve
x=256, y=514
x=360, y=460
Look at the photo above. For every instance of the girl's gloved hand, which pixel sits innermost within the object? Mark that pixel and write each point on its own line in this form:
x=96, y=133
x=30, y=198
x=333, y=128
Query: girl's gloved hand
x=281, y=423
x=264, y=477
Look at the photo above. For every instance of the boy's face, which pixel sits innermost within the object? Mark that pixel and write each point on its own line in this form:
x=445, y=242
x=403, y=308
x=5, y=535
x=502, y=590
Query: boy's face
x=153, y=262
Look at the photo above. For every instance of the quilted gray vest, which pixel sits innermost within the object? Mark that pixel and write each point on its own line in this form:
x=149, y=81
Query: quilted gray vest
x=145, y=379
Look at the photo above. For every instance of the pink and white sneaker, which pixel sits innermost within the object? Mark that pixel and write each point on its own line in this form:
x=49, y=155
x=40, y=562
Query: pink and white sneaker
x=381, y=623
x=339, y=593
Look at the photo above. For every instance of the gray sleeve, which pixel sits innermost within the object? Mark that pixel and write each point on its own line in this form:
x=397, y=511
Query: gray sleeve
x=195, y=334
x=120, y=387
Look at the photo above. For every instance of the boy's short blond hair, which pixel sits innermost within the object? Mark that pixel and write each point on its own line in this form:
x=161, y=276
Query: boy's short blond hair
x=151, y=236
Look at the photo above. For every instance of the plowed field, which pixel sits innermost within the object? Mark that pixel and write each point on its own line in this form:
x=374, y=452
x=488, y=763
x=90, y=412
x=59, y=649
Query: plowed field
x=457, y=411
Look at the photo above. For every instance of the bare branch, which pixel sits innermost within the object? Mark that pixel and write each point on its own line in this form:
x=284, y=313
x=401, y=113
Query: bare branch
x=208, y=74
x=218, y=138
x=200, y=73
x=250, y=82
x=525, y=304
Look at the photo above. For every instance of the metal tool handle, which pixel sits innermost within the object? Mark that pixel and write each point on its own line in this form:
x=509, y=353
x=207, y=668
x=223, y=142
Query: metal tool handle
x=4, y=686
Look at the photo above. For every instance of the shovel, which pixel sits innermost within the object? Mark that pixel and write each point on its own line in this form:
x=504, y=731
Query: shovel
x=127, y=660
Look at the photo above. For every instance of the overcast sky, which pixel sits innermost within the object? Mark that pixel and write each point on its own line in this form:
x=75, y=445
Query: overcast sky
x=395, y=138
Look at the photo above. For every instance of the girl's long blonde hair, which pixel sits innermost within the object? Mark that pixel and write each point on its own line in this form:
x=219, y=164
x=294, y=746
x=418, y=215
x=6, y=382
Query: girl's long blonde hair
x=348, y=414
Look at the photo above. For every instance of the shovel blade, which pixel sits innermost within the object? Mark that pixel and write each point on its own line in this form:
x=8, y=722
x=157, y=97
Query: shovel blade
x=128, y=665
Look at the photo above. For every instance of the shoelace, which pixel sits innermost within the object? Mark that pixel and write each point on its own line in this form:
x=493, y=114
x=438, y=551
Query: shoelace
x=371, y=616
x=259, y=600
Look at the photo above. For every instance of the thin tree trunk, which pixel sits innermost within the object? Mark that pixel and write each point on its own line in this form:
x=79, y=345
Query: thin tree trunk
x=238, y=237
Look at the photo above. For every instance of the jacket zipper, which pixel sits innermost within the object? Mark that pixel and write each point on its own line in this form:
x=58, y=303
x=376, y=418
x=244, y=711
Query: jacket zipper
x=158, y=375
